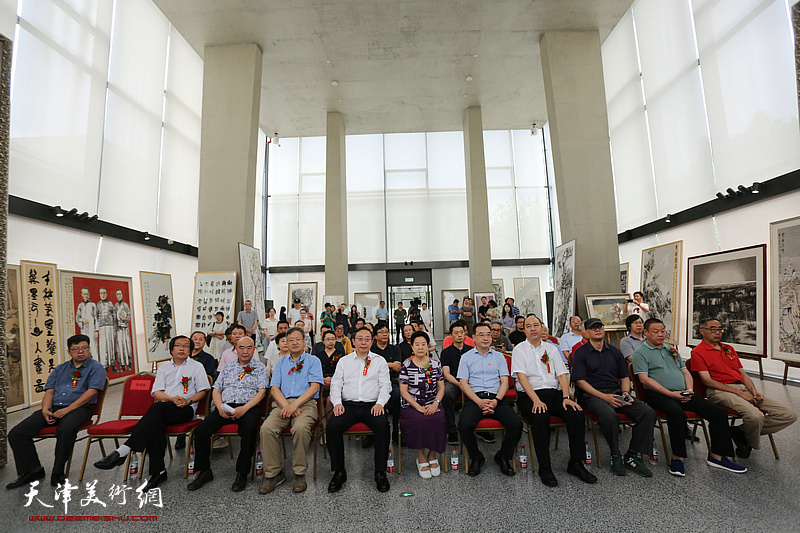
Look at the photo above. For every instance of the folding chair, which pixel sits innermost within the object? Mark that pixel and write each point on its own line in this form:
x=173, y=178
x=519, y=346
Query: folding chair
x=555, y=423
x=136, y=400
x=360, y=428
x=700, y=390
x=50, y=431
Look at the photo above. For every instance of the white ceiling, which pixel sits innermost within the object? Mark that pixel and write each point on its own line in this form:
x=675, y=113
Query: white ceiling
x=401, y=66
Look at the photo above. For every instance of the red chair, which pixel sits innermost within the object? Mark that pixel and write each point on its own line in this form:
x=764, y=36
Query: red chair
x=486, y=425
x=50, y=431
x=136, y=400
x=316, y=428
x=511, y=393
x=691, y=416
x=360, y=428
x=555, y=423
x=700, y=390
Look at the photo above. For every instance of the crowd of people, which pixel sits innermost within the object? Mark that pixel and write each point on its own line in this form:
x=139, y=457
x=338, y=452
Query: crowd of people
x=353, y=373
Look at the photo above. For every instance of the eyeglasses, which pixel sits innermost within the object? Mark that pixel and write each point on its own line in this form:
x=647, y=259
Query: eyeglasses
x=183, y=346
x=79, y=349
x=715, y=330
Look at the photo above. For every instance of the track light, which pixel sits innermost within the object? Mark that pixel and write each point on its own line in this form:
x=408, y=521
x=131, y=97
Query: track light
x=72, y=212
x=730, y=191
x=743, y=189
x=720, y=196
x=59, y=212
x=756, y=186
x=92, y=218
x=146, y=236
x=668, y=218
x=83, y=216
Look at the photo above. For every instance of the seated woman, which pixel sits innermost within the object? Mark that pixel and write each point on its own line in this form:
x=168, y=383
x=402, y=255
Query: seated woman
x=405, y=347
x=329, y=357
x=421, y=419
x=635, y=337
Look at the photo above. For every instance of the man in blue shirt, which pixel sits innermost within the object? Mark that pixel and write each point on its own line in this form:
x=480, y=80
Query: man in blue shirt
x=483, y=374
x=454, y=311
x=68, y=403
x=296, y=381
x=381, y=313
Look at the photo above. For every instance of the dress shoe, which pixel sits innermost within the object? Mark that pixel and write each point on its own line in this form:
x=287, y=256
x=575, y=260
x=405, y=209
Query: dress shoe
x=338, y=480
x=547, y=476
x=27, y=477
x=504, y=464
x=381, y=482
x=576, y=468
x=156, y=480
x=366, y=441
x=110, y=461
x=743, y=448
x=239, y=483
x=269, y=483
x=180, y=443
x=203, y=477
x=299, y=484
x=485, y=436
x=452, y=438
x=475, y=465
x=57, y=479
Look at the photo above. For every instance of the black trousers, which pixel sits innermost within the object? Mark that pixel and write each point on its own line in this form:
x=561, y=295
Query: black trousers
x=394, y=403
x=21, y=438
x=716, y=415
x=358, y=412
x=151, y=431
x=248, y=432
x=540, y=424
x=503, y=413
x=607, y=418
x=451, y=393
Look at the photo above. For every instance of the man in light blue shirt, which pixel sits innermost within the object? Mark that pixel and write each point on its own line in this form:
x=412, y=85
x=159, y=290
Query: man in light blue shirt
x=483, y=374
x=571, y=338
x=381, y=313
x=295, y=385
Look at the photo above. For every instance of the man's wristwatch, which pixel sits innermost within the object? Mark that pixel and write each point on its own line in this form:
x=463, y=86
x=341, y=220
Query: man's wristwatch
x=497, y=399
x=565, y=398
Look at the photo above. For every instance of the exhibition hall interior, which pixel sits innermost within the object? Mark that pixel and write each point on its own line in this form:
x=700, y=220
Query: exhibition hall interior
x=180, y=166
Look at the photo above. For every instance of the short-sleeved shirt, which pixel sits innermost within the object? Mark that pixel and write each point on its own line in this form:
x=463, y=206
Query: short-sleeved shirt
x=392, y=354
x=629, y=344
x=468, y=309
x=660, y=364
x=451, y=356
x=527, y=359
x=170, y=376
x=326, y=318
x=483, y=372
x=502, y=342
x=381, y=313
x=423, y=391
x=247, y=318
x=448, y=341
x=293, y=315
x=328, y=362
x=93, y=376
x=453, y=310
x=601, y=369
x=293, y=383
x=568, y=340
x=406, y=350
x=207, y=360
x=241, y=391
x=722, y=365
x=399, y=316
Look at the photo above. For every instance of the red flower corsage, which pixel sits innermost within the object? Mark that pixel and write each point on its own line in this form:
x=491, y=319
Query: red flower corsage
x=546, y=360
x=367, y=361
x=185, y=382
x=246, y=370
x=75, y=377
x=297, y=368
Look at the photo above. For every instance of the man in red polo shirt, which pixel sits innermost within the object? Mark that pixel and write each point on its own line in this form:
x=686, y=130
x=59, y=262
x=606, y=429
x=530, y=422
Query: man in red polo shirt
x=729, y=385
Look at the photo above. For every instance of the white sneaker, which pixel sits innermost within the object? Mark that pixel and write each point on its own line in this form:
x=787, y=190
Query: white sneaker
x=435, y=469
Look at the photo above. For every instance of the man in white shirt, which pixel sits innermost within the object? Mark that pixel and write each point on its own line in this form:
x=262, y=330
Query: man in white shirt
x=271, y=353
x=293, y=315
x=228, y=356
x=638, y=307
x=542, y=391
x=571, y=338
x=360, y=388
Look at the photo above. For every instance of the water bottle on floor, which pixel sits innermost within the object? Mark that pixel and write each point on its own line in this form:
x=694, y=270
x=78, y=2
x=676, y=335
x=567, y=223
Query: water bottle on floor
x=523, y=460
x=454, y=459
x=259, y=464
x=191, y=462
x=654, y=455
x=390, y=462
x=134, y=469
x=588, y=460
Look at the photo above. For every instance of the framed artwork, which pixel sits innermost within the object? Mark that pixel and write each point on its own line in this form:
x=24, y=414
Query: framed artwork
x=527, y=296
x=499, y=293
x=17, y=392
x=101, y=307
x=730, y=286
x=611, y=309
x=40, y=326
x=367, y=303
x=661, y=282
x=252, y=280
x=623, y=277
x=335, y=299
x=159, y=320
x=213, y=292
x=564, y=290
x=306, y=291
x=448, y=295
x=784, y=240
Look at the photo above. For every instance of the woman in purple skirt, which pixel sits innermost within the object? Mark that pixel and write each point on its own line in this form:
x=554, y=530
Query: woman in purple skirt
x=421, y=419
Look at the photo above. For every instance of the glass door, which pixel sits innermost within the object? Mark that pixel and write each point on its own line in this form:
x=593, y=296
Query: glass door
x=412, y=298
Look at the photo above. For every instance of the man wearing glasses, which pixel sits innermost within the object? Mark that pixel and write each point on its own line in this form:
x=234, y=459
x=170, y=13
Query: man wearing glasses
x=68, y=403
x=729, y=385
x=179, y=386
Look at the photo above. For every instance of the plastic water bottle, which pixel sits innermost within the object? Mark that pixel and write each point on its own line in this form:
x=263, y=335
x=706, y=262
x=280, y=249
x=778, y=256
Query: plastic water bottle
x=588, y=460
x=454, y=460
x=523, y=460
x=259, y=464
x=191, y=462
x=654, y=455
x=134, y=469
x=390, y=462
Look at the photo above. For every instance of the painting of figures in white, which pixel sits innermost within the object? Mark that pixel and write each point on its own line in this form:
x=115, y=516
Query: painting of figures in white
x=564, y=295
x=527, y=296
x=661, y=278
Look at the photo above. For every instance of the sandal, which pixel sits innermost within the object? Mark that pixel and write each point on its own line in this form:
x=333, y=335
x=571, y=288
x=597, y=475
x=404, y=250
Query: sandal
x=435, y=469
x=424, y=474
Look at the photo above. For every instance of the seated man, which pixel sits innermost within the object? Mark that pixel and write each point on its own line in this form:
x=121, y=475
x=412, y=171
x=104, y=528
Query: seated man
x=295, y=390
x=360, y=389
x=543, y=390
x=571, y=338
x=201, y=356
x=237, y=394
x=180, y=384
x=344, y=339
x=669, y=389
x=483, y=374
x=600, y=372
x=271, y=353
x=729, y=385
x=451, y=357
x=499, y=341
x=69, y=399
x=518, y=335
x=229, y=356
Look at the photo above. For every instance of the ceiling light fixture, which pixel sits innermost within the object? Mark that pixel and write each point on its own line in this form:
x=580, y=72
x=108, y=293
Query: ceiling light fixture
x=730, y=191
x=668, y=218
x=743, y=189
x=146, y=236
x=59, y=212
x=720, y=196
x=534, y=129
x=72, y=212
x=755, y=188
x=276, y=140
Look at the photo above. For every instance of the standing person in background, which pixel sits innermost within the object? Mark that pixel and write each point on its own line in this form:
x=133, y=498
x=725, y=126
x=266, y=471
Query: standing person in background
x=507, y=319
x=468, y=314
x=354, y=316
x=483, y=308
x=248, y=318
x=427, y=317
x=399, y=320
x=217, y=335
x=308, y=325
x=326, y=317
x=340, y=318
x=454, y=311
x=494, y=312
x=294, y=313
x=381, y=313
x=271, y=324
x=638, y=307
x=282, y=315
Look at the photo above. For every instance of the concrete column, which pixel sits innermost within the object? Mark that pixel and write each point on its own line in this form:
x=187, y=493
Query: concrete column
x=229, y=137
x=480, y=250
x=335, y=208
x=578, y=122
